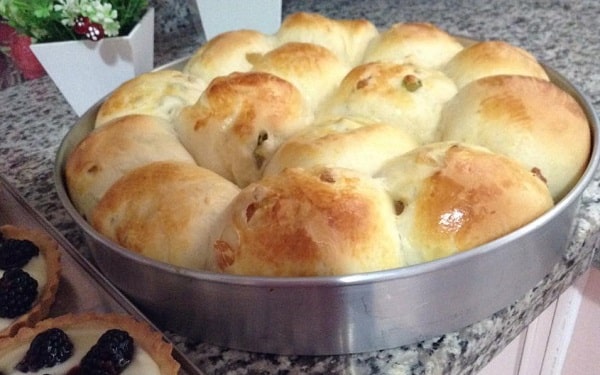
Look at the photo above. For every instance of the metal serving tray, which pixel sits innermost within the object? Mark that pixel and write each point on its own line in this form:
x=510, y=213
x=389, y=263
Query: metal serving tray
x=345, y=314
x=82, y=287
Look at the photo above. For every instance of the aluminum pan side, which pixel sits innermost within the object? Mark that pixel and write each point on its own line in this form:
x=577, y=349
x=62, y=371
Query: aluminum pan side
x=345, y=314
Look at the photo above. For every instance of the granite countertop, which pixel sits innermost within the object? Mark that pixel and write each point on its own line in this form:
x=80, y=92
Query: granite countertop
x=34, y=118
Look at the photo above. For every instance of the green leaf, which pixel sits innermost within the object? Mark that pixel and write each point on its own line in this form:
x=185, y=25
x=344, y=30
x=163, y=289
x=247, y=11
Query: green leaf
x=42, y=12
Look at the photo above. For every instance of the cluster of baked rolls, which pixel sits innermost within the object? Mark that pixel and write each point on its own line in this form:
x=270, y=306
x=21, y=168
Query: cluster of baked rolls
x=328, y=148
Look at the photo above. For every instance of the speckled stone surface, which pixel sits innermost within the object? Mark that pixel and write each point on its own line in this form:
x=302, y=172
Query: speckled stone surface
x=563, y=34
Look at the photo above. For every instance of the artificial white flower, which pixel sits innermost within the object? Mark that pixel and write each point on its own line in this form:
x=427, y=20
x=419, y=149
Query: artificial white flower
x=69, y=10
x=101, y=13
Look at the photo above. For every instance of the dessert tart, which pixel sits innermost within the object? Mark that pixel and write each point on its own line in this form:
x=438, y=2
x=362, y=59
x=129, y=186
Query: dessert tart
x=29, y=277
x=75, y=343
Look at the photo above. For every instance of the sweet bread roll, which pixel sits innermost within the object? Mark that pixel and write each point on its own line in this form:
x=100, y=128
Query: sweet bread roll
x=239, y=121
x=490, y=58
x=451, y=197
x=160, y=93
x=114, y=149
x=529, y=119
x=348, y=39
x=406, y=96
x=344, y=143
x=165, y=211
x=316, y=222
x=313, y=69
x=308, y=125
x=418, y=43
x=227, y=53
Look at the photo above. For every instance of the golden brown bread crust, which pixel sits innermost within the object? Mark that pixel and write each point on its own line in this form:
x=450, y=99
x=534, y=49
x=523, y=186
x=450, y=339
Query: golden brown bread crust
x=360, y=145
x=165, y=210
x=294, y=99
x=49, y=250
x=451, y=197
x=348, y=39
x=529, y=119
x=407, y=96
x=313, y=69
x=114, y=149
x=239, y=121
x=417, y=43
x=490, y=58
x=158, y=93
x=227, y=53
x=144, y=336
x=320, y=222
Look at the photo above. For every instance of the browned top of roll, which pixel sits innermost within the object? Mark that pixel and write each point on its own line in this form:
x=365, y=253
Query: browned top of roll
x=313, y=69
x=309, y=223
x=418, y=43
x=528, y=119
x=160, y=93
x=452, y=197
x=360, y=145
x=490, y=58
x=109, y=152
x=166, y=211
x=402, y=95
x=239, y=121
x=227, y=53
x=348, y=39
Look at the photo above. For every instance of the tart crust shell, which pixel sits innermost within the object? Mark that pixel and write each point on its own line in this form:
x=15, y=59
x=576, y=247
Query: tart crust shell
x=49, y=250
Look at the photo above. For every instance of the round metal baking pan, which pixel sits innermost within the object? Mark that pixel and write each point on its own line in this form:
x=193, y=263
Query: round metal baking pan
x=338, y=315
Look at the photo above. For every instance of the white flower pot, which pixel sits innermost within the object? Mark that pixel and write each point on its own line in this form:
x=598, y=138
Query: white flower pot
x=218, y=16
x=85, y=71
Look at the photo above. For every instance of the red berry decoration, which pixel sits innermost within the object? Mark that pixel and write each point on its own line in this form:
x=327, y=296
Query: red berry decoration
x=81, y=25
x=94, y=32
